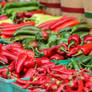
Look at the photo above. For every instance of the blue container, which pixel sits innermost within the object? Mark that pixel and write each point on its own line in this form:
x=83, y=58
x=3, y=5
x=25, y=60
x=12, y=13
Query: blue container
x=6, y=86
x=17, y=88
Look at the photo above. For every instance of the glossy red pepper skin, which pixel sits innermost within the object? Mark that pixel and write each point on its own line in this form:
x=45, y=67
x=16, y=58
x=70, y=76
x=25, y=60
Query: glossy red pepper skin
x=61, y=21
x=3, y=17
x=19, y=15
x=86, y=48
x=3, y=3
x=47, y=52
x=36, y=62
x=8, y=54
x=20, y=62
x=67, y=24
x=8, y=46
x=64, y=46
x=30, y=73
x=73, y=51
x=56, y=57
x=74, y=38
x=87, y=38
x=18, y=51
x=5, y=25
x=3, y=59
x=44, y=35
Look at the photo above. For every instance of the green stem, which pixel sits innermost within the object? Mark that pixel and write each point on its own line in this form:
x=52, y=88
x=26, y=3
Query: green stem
x=79, y=53
x=61, y=48
x=72, y=43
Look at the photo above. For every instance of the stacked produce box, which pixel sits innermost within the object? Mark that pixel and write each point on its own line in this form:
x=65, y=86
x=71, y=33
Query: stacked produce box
x=43, y=53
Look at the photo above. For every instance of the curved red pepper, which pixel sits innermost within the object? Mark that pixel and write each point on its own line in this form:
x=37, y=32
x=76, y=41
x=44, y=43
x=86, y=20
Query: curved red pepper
x=30, y=73
x=3, y=59
x=61, y=48
x=18, y=51
x=47, y=52
x=20, y=62
x=67, y=24
x=73, y=51
x=56, y=57
x=74, y=40
x=61, y=21
x=8, y=46
x=36, y=62
x=87, y=38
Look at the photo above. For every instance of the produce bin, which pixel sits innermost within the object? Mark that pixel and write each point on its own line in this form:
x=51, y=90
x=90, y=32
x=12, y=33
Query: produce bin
x=64, y=62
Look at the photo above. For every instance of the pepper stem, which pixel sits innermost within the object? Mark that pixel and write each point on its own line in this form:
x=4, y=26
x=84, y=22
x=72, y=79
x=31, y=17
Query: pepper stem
x=62, y=48
x=79, y=53
x=41, y=53
x=72, y=43
x=89, y=42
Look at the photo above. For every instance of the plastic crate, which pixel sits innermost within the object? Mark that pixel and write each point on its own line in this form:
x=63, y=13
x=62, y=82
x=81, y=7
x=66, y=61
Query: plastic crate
x=17, y=88
x=5, y=84
x=64, y=62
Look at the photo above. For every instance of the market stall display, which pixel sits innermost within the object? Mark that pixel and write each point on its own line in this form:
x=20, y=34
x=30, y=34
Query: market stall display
x=43, y=53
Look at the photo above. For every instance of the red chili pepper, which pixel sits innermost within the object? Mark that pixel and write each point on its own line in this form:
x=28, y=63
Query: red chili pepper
x=73, y=40
x=85, y=49
x=19, y=15
x=80, y=86
x=47, y=52
x=5, y=25
x=44, y=34
x=15, y=75
x=3, y=59
x=8, y=33
x=87, y=39
x=48, y=65
x=73, y=51
x=8, y=54
x=18, y=51
x=67, y=24
x=3, y=17
x=56, y=57
x=36, y=61
x=61, y=21
x=21, y=81
x=20, y=62
x=25, y=70
x=8, y=46
x=61, y=48
x=30, y=73
x=3, y=3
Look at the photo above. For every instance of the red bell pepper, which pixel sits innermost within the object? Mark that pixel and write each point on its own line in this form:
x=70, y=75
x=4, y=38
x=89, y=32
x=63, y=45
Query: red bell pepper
x=73, y=40
x=87, y=39
x=61, y=48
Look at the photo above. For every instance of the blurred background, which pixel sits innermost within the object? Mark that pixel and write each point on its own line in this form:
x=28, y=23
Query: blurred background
x=78, y=8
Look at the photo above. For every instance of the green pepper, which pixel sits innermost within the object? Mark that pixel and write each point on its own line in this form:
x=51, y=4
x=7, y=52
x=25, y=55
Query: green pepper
x=81, y=26
x=65, y=29
x=30, y=28
x=52, y=38
x=22, y=9
x=22, y=37
x=84, y=59
x=43, y=46
x=21, y=32
x=20, y=4
x=62, y=40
